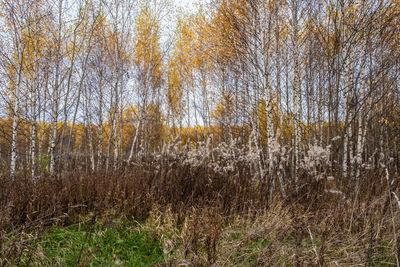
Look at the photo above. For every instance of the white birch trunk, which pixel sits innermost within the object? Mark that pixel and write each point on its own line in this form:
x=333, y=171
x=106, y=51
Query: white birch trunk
x=115, y=115
x=361, y=114
x=347, y=114
x=33, y=134
x=89, y=129
x=14, y=137
x=137, y=132
x=100, y=141
x=55, y=101
x=110, y=136
x=115, y=145
x=296, y=87
x=15, y=117
x=53, y=134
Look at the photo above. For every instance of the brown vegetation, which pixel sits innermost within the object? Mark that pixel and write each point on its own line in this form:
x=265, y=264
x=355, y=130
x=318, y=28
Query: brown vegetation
x=224, y=219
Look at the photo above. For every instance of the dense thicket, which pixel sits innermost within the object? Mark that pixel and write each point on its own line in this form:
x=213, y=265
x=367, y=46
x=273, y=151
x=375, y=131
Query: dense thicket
x=201, y=213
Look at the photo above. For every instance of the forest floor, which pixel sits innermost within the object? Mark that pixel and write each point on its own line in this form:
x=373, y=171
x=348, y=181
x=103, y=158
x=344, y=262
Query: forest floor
x=202, y=238
x=194, y=217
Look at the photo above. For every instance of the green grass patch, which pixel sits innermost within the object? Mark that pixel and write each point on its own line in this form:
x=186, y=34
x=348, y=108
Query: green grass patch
x=120, y=245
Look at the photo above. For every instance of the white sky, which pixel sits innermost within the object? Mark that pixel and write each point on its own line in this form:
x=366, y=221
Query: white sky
x=188, y=5
x=179, y=8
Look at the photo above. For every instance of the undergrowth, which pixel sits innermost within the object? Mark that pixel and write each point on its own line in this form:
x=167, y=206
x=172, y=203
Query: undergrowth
x=83, y=244
x=166, y=212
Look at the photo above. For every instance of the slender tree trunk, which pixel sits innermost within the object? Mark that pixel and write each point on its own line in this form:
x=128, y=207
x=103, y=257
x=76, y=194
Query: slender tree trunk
x=361, y=113
x=296, y=86
x=55, y=97
x=33, y=133
x=15, y=115
x=100, y=125
x=348, y=106
x=111, y=131
x=14, y=136
x=134, y=141
x=89, y=130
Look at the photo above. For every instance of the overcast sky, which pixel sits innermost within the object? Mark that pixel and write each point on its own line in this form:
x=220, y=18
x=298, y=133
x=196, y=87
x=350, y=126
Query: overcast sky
x=187, y=4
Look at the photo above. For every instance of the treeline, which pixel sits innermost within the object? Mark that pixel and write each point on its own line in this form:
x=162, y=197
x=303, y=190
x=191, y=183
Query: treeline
x=296, y=82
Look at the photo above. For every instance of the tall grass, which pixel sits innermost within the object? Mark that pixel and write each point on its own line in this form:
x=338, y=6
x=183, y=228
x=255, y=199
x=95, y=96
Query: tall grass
x=202, y=215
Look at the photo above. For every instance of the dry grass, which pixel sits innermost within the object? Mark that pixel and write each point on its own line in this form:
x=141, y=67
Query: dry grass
x=201, y=217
